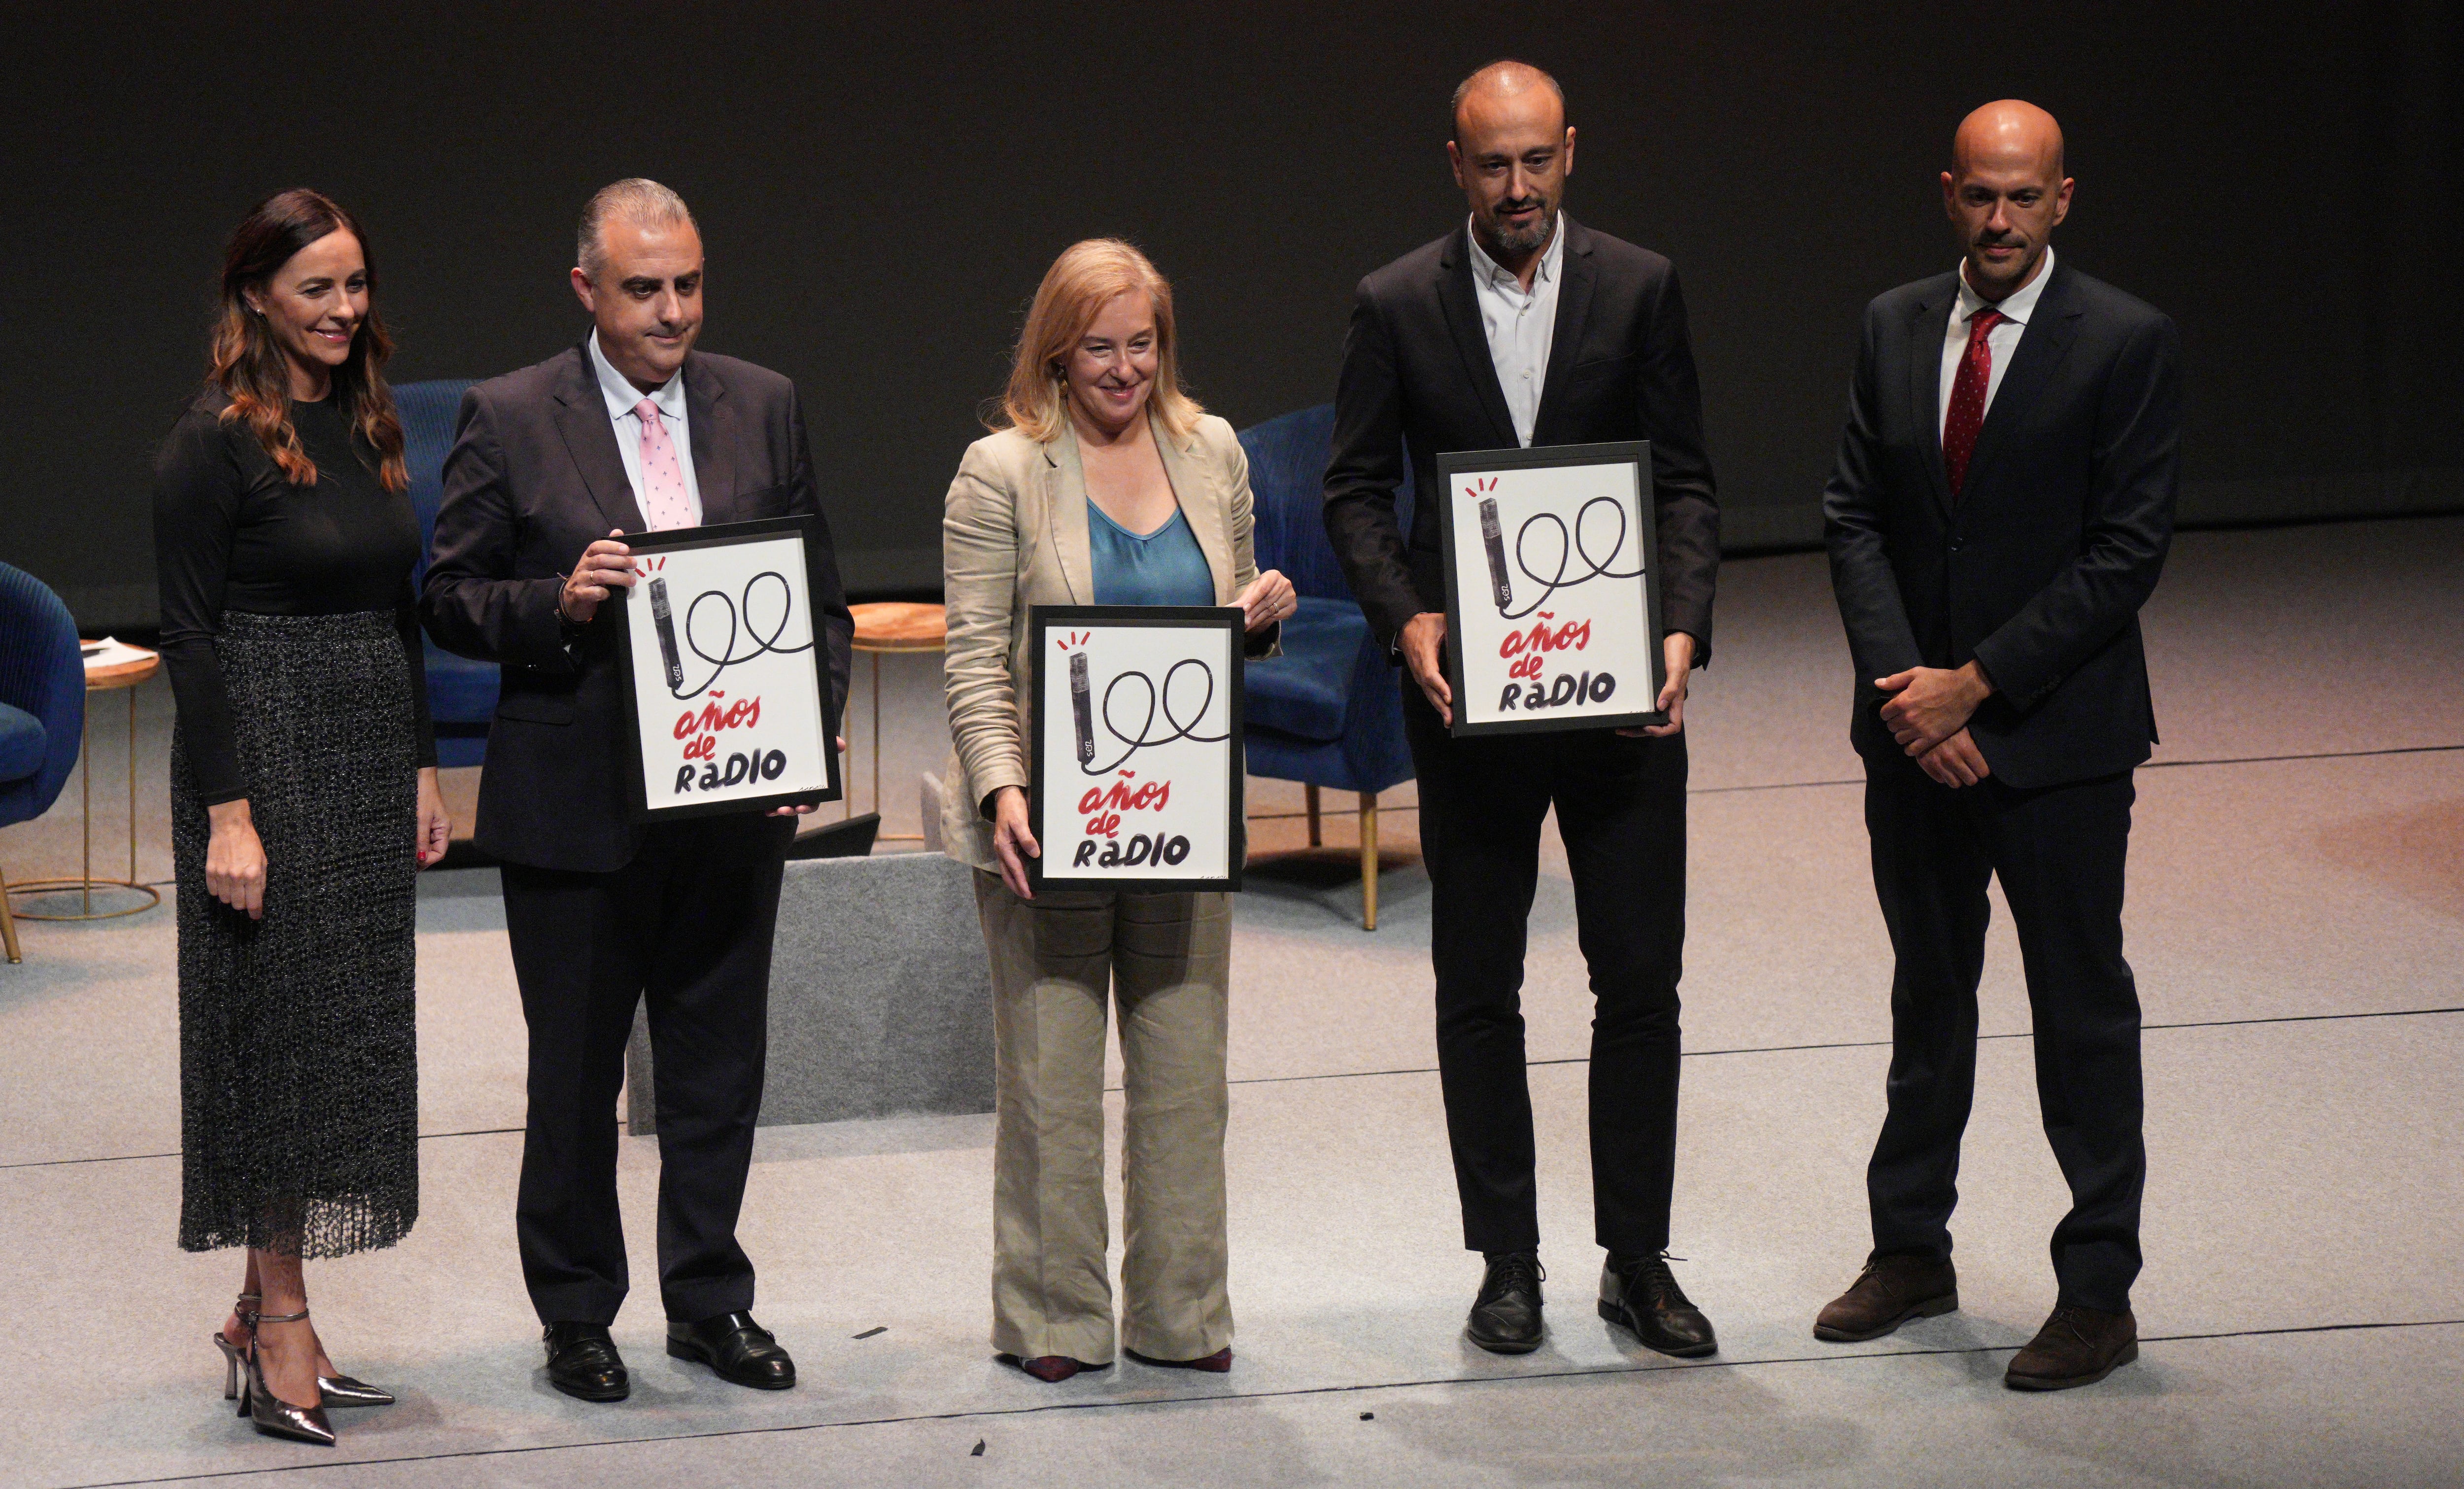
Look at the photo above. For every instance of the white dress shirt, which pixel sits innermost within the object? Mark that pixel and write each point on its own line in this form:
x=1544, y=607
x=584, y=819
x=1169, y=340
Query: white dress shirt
x=621, y=396
x=1522, y=325
x=2001, y=341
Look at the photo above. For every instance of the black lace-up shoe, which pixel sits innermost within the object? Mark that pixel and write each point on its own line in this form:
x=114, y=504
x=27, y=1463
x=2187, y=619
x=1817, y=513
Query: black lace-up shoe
x=583, y=1363
x=736, y=1349
x=1640, y=1294
x=1506, y=1316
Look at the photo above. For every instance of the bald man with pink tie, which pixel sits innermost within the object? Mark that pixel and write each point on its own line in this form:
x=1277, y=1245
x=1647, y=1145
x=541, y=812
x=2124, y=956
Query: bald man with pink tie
x=551, y=467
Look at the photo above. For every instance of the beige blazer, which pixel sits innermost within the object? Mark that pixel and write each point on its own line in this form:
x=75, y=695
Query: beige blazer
x=1014, y=535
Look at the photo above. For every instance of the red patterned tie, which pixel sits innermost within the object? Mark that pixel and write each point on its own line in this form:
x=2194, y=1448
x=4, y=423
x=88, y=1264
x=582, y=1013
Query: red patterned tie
x=1967, y=398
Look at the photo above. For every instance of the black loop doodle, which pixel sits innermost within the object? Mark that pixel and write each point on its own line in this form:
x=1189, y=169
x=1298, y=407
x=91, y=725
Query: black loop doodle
x=1569, y=547
x=739, y=621
x=1156, y=701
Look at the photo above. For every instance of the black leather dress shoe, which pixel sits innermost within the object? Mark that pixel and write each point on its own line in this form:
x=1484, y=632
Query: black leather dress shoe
x=736, y=1349
x=1641, y=1295
x=583, y=1363
x=1506, y=1316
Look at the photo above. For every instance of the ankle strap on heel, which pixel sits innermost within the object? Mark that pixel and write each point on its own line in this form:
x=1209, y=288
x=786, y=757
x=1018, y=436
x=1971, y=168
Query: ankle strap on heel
x=282, y=1318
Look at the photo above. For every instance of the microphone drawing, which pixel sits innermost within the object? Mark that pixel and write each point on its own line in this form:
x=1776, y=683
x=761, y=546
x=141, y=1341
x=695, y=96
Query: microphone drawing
x=662, y=616
x=1082, y=707
x=739, y=620
x=1493, y=537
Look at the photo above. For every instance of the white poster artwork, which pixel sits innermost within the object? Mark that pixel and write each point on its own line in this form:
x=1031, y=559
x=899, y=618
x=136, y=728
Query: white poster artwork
x=729, y=693
x=1554, y=618
x=1138, y=746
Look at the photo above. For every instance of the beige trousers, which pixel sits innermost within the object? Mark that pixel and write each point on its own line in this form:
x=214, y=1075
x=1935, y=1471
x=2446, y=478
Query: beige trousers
x=1165, y=959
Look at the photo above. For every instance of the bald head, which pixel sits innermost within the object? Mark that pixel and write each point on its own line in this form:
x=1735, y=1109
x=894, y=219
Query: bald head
x=2005, y=192
x=1511, y=153
x=1506, y=88
x=2009, y=132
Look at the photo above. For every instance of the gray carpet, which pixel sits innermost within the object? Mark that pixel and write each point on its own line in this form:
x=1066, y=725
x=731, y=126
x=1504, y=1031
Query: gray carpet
x=2296, y=923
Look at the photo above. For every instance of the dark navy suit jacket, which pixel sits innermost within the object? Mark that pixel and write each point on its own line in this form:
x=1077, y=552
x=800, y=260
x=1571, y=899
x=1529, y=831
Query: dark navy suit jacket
x=2038, y=568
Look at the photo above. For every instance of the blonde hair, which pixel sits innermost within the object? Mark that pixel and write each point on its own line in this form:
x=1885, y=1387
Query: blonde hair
x=1081, y=282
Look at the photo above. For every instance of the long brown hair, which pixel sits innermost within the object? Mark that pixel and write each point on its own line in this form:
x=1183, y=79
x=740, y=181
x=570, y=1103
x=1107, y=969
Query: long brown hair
x=253, y=371
x=1075, y=290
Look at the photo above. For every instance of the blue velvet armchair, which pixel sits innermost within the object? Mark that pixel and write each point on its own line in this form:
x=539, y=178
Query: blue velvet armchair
x=1330, y=711
x=42, y=707
x=461, y=693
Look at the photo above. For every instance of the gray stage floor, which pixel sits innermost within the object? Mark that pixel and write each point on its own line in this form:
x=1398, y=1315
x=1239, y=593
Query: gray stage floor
x=2297, y=920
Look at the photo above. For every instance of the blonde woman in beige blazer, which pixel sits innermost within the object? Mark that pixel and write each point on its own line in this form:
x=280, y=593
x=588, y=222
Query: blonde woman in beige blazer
x=1103, y=483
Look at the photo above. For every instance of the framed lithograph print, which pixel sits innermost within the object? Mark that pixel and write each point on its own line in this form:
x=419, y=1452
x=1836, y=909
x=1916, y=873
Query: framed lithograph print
x=1553, y=588
x=731, y=697
x=1135, y=771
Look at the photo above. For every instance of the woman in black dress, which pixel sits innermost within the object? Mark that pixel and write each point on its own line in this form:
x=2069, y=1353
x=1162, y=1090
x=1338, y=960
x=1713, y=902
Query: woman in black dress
x=303, y=795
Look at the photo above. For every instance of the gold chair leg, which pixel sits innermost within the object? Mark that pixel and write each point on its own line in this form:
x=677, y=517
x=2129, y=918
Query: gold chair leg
x=1309, y=793
x=1368, y=860
x=9, y=921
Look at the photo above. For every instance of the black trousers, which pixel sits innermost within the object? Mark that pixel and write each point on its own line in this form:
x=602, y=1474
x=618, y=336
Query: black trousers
x=1621, y=810
x=686, y=926
x=2060, y=852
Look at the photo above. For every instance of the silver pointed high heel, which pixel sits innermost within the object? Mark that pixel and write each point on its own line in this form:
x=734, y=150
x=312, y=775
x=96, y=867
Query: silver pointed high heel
x=232, y=1353
x=345, y=1391
x=333, y=1390
x=273, y=1415
x=230, y=1366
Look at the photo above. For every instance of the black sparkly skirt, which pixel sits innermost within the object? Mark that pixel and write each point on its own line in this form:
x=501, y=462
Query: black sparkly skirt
x=299, y=1052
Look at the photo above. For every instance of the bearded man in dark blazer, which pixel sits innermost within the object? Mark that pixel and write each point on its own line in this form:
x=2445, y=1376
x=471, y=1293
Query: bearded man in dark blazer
x=551, y=467
x=2001, y=509
x=1523, y=327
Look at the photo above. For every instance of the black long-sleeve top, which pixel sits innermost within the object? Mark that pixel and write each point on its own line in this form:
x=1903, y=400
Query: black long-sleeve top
x=232, y=533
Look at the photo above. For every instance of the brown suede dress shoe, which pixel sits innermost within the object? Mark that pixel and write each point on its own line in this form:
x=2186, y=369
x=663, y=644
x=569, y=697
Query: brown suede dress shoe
x=2078, y=1347
x=1889, y=1291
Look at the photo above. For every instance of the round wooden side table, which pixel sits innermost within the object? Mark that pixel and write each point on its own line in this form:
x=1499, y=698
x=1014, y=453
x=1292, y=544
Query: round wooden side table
x=115, y=669
x=882, y=629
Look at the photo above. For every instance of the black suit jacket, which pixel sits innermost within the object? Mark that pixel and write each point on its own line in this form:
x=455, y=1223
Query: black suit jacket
x=534, y=478
x=2037, y=570
x=1418, y=374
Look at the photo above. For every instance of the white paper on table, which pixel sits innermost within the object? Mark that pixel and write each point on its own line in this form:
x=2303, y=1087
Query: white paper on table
x=110, y=652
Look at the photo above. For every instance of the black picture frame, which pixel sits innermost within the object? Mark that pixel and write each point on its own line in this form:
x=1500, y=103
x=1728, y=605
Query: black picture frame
x=632, y=610
x=1455, y=464
x=1227, y=620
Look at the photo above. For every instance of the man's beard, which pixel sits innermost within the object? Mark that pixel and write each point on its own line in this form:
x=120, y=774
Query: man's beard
x=1516, y=242
x=2011, y=271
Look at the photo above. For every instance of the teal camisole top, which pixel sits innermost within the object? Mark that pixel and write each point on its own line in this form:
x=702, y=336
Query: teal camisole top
x=1165, y=566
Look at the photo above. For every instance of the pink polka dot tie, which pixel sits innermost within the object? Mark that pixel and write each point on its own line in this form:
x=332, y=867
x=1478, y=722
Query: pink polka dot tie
x=664, y=503
x=1967, y=398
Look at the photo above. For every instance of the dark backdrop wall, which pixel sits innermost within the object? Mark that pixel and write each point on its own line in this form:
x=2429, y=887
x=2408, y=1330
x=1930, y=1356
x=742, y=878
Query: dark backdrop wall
x=880, y=189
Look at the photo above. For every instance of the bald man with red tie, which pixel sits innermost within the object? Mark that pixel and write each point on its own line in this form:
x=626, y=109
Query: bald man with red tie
x=2001, y=509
